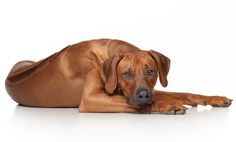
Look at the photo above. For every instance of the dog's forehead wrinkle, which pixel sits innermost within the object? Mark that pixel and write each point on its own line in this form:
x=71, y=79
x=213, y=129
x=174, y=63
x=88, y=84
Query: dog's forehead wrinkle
x=136, y=61
x=136, y=57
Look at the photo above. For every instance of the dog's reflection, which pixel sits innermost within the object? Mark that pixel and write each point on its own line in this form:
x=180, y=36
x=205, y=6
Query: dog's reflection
x=70, y=116
x=68, y=122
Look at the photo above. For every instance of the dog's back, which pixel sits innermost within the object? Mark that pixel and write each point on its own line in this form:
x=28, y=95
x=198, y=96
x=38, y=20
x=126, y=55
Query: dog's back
x=58, y=80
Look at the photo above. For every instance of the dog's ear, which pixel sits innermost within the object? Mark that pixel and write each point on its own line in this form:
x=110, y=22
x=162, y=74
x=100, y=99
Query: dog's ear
x=163, y=65
x=109, y=73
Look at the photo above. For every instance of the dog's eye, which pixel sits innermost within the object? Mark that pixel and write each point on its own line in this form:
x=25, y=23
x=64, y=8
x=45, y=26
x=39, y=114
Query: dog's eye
x=127, y=74
x=150, y=72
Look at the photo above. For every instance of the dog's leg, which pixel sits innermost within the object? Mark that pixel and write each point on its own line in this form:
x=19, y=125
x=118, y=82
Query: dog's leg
x=196, y=99
x=95, y=99
x=101, y=102
x=164, y=104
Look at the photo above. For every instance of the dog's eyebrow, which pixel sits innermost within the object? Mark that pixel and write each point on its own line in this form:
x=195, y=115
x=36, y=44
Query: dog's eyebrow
x=147, y=66
x=128, y=69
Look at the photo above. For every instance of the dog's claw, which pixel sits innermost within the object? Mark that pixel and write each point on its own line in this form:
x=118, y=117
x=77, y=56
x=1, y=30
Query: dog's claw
x=185, y=108
x=228, y=102
x=181, y=111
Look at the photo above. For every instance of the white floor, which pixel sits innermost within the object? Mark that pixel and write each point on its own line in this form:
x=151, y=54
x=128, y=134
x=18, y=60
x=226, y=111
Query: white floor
x=41, y=124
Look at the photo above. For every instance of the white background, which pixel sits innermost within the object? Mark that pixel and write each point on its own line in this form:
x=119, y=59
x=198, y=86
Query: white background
x=198, y=36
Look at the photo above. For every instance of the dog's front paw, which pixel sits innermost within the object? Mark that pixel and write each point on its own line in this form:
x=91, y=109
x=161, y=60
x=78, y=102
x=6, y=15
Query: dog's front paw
x=218, y=101
x=168, y=108
x=174, y=110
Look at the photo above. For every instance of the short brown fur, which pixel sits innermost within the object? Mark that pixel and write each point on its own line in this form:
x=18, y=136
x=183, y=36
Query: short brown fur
x=101, y=75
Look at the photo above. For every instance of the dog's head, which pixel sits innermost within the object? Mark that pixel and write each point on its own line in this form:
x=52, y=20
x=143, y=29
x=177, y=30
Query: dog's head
x=135, y=74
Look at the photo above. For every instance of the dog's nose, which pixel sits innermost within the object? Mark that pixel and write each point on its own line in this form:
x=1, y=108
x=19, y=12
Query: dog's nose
x=143, y=96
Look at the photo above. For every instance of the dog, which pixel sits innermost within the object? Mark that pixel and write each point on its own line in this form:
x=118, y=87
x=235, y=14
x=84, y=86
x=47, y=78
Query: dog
x=101, y=75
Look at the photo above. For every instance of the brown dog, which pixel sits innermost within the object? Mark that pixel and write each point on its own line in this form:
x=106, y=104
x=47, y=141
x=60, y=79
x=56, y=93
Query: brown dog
x=101, y=76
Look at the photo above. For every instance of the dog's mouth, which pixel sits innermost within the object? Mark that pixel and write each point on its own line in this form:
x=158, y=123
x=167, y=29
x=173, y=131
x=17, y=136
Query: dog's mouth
x=135, y=102
x=141, y=97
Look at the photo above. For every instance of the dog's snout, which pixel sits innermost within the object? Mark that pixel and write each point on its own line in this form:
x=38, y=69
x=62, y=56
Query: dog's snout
x=143, y=96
